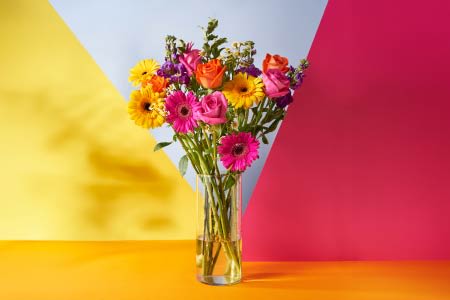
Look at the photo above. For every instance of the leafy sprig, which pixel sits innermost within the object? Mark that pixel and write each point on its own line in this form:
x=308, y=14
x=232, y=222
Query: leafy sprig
x=213, y=44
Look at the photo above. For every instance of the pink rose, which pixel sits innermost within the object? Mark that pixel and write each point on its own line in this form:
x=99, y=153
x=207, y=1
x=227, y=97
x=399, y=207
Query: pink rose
x=213, y=109
x=276, y=83
x=190, y=60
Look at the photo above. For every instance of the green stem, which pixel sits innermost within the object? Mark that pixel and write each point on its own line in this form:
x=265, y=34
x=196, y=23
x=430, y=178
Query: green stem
x=214, y=261
x=222, y=223
x=214, y=188
x=189, y=152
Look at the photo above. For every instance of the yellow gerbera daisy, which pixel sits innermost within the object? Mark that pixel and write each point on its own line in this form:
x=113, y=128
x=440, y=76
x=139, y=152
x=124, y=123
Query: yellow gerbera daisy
x=146, y=108
x=143, y=71
x=244, y=90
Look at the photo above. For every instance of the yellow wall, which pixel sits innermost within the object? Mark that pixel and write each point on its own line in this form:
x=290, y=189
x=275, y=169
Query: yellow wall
x=72, y=165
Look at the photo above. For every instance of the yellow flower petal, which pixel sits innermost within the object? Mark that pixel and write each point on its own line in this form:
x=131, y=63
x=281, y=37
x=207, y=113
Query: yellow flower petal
x=244, y=90
x=143, y=71
x=146, y=108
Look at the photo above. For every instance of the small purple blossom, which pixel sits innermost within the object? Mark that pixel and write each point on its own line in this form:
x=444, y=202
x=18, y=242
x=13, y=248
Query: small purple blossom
x=177, y=73
x=296, y=75
x=291, y=69
x=284, y=101
x=298, y=80
x=180, y=68
x=167, y=69
x=183, y=79
x=250, y=70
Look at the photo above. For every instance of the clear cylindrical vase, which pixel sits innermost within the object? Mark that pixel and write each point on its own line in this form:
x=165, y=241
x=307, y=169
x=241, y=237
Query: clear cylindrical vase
x=219, y=253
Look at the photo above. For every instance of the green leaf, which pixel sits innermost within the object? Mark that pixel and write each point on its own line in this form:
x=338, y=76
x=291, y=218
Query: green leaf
x=273, y=126
x=264, y=139
x=218, y=129
x=219, y=42
x=182, y=165
x=212, y=25
x=229, y=182
x=259, y=127
x=161, y=145
x=182, y=44
x=212, y=37
x=241, y=117
x=206, y=48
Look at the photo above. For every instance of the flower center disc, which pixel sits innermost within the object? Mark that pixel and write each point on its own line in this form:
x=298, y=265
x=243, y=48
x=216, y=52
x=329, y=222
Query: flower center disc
x=239, y=149
x=184, y=111
x=147, y=106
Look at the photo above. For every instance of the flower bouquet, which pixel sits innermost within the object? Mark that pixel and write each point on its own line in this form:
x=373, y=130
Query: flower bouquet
x=220, y=107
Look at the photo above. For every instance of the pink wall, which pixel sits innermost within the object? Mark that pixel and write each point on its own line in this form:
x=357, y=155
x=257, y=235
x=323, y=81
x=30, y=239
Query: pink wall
x=361, y=166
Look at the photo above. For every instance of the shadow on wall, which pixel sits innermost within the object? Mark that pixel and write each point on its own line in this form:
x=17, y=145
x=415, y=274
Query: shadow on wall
x=73, y=166
x=83, y=169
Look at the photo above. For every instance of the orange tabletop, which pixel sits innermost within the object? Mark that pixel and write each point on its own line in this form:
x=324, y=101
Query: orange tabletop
x=165, y=270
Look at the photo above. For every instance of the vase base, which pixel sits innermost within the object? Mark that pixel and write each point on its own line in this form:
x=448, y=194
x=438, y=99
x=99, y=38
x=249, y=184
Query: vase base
x=218, y=280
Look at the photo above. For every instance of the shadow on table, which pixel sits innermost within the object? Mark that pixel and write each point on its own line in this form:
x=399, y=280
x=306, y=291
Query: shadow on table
x=257, y=275
x=306, y=277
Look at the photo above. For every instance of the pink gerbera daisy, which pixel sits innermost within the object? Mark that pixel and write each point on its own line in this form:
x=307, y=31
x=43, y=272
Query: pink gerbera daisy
x=182, y=110
x=238, y=151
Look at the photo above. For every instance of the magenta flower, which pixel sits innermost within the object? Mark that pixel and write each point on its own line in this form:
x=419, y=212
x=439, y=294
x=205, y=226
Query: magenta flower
x=190, y=59
x=213, y=109
x=182, y=109
x=276, y=83
x=238, y=151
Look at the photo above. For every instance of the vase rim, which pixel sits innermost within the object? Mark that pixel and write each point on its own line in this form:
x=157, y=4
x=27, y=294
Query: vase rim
x=220, y=174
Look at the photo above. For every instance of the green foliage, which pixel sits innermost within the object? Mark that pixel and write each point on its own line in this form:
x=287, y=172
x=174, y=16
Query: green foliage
x=181, y=46
x=264, y=139
x=240, y=54
x=297, y=74
x=171, y=46
x=212, y=25
x=229, y=182
x=161, y=145
x=212, y=46
x=183, y=164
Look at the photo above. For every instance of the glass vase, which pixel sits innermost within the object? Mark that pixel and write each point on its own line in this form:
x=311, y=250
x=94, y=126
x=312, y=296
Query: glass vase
x=219, y=229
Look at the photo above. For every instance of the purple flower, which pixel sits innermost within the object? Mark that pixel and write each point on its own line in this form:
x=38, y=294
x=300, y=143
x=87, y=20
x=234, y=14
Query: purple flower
x=296, y=75
x=184, y=79
x=291, y=69
x=284, y=101
x=177, y=78
x=167, y=69
x=250, y=70
x=298, y=80
x=177, y=73
x=180, y=68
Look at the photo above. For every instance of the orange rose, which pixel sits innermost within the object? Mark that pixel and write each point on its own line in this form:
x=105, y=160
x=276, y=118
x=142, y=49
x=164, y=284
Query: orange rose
x=210, y=75
x=158, y=83
x=275, y=62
